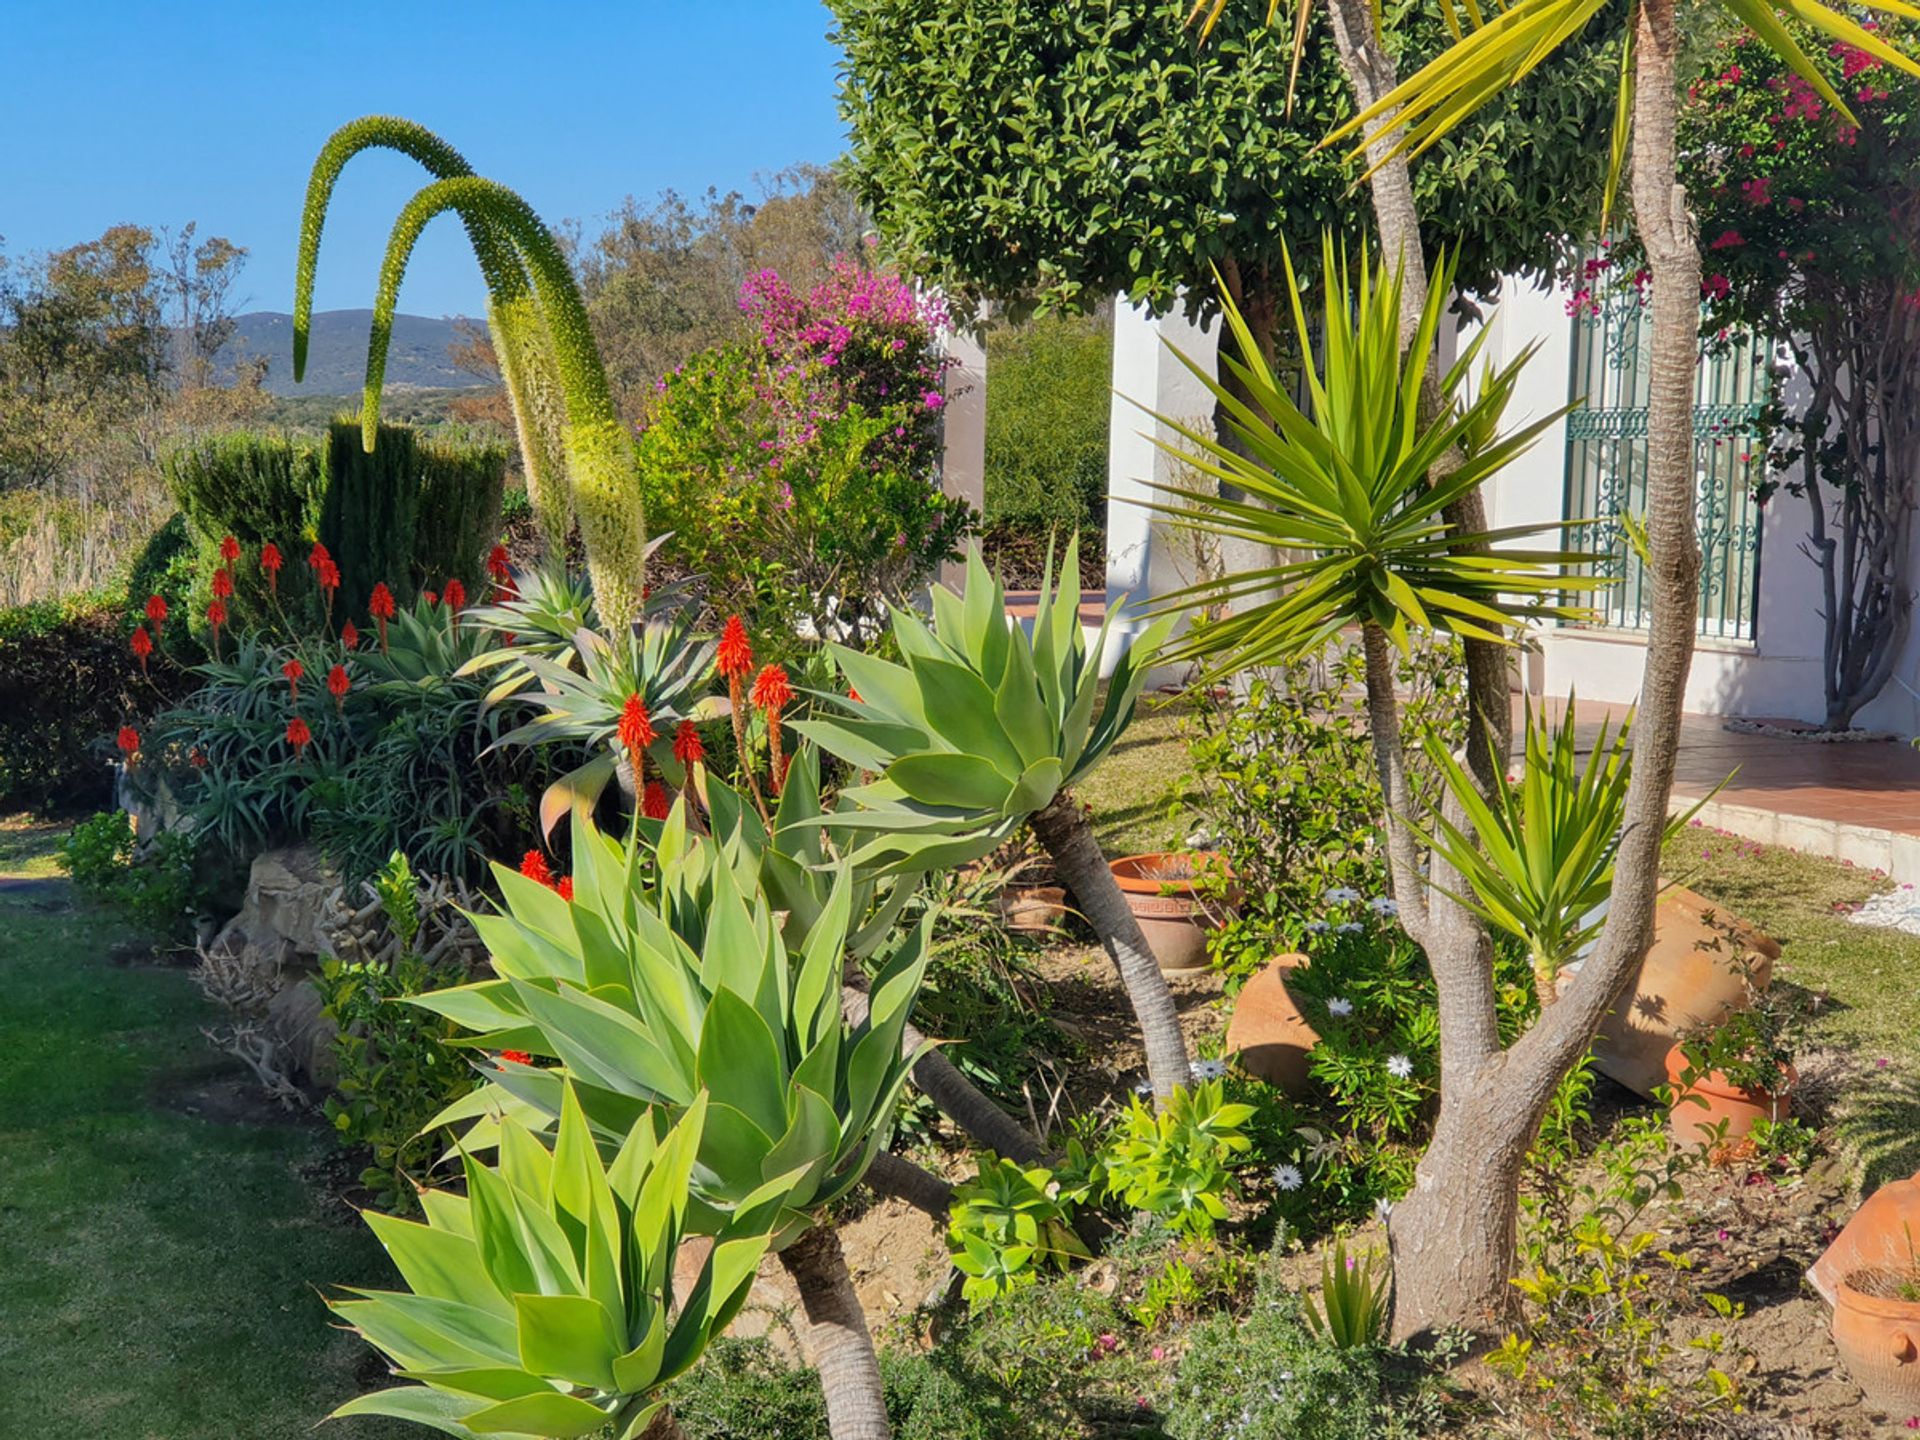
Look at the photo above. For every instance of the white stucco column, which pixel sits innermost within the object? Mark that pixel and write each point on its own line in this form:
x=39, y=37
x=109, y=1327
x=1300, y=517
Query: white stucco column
x=1144, y=558
x=963, y=448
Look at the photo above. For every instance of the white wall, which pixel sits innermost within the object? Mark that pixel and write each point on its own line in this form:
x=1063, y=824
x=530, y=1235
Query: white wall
x=963, y=428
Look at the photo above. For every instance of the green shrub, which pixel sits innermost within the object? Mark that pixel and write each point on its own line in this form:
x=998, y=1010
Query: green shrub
x=1177, y=1163
x=165, y=568
x=1049, y=399
x=159, y=892
x=96, y=853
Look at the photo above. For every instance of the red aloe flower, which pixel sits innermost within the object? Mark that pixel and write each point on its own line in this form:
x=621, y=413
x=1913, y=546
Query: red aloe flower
x=229, y=550
x=216, y=617
x=271, y=562
x=329, y=577
x=772, y=693
x=533, y=865
x=654, y=803
x=128, y=740
x=350, y=635
x=517, y=1057
x=318, y=558
x=499, y=568
x=735, y=655
x=298, y=735
x=380, y=605
x=854, y=695
x=338, y=684
x=157, y=611
x=432, y=597
x=635, y=732
x=142, y=645
x=687, y=748
x=293, y=670
x=565, y=887
x=455, y=595
x=223, y=584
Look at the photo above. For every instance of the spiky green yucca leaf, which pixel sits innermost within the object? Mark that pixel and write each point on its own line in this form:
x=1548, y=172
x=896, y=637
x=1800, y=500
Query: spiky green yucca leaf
x=979, y=726
x=1537, y=854
x=520, y=341
x=542, y=1301
x=1345, y=486
x=667, y=976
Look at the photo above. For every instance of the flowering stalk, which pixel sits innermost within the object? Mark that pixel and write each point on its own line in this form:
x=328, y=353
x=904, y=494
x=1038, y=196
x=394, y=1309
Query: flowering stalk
x=734, y=658
x=216, y=617
x=270, y=562
x=293, y=670
x=337, y=686
x=298, y=736
x=380, y=605
x=635, y=732
x=157, y=612
x=772, y=693
x=142, y=646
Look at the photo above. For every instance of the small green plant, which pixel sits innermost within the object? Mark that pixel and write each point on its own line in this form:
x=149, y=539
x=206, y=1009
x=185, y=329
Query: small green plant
x=1178, y=1164
x=1006, y=1224
x=1172, y=1291
x=1785, y=1144
x=1752, y=1049
x=1353, y=1301
x=157, y=888
x=97, y=852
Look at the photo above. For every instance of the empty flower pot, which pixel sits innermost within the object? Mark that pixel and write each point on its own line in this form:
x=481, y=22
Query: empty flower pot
x=1164, y=892
x=1884, y=1232
x=1269, y=1031
x=1876, y=1328
x=1711, y=1099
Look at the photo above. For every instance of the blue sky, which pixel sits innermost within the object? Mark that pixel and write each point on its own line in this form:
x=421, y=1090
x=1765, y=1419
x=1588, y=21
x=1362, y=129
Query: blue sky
x=213, y=111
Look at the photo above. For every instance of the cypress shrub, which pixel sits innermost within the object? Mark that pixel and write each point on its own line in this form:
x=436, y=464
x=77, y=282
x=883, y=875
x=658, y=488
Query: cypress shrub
x=255, y=487
x=462, y=483
x=368, y=515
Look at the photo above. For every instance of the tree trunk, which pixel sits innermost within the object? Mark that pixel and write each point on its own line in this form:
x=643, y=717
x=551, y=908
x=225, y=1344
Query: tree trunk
x=1063, y=829
x=838, y=1342
x=1453, y=1235
x=890, y=1174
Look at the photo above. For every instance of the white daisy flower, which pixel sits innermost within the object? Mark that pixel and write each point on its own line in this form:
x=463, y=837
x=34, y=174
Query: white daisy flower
x=1209, y=1069
x=1399, y=1066
x=1384, y=905
x=1288, y=1177
x=1340, y=895
x=1352, y=927
x=1382, y=1208
x=1144, y=1087
x=1318, y=927
x=1339, y=1005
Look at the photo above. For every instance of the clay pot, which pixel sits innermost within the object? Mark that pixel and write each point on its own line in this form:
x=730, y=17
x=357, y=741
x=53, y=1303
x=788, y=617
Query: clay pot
x=1885, y=1231
x=1878, y=1336
x=1738, y=1105
x=1269, y=1030
x=1033, y=909
x=1689, y=981
x=1173, y=916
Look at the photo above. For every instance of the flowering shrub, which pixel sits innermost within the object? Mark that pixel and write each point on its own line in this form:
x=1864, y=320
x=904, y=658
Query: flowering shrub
x=796, y=472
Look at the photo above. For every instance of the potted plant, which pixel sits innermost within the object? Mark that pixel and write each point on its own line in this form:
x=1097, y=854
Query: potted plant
x=1725, y=1077
x=1180, y=898
x=1032, y=902
x=1876, y=1327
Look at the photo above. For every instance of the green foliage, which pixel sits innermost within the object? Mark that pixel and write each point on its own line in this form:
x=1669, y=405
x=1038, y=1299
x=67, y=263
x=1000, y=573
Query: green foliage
x=667, y=978
x=1285, y=786
x=1177, y=1163
x=542, y=1301
x=164, y=567
x=1352, y=1314
x=1047, y=414
x=1344, y=482
x=1006, y=1224
x=1083, y=150
x=158, y=890
x=96, y=853
x=980, y=726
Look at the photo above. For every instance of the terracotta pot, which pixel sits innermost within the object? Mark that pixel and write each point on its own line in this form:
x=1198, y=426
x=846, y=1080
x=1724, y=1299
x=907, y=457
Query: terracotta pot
x=1175, y=918
x=1878, y=1336
x=1269, y=1030
x=1885, y=1231
x=1033, y=909
x=1689, y=981
x=1738, y=1105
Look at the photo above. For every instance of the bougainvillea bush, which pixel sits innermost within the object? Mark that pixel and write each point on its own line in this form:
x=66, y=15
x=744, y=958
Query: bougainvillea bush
x=798, y=471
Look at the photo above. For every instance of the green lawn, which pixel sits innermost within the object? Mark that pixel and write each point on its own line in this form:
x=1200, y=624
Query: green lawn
x=158, y=1272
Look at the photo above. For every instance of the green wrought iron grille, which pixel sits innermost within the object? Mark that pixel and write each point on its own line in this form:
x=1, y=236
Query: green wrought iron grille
x=1607, y=463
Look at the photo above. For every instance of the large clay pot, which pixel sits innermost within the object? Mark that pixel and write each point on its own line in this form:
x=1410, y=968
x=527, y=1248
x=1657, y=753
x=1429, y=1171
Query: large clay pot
x=1884, y=1232
x=1269, y=1030
x=1033, y=909
x=1711, y=1099
x=1175, y=918
x=1690, y=980
x=1878, y=1336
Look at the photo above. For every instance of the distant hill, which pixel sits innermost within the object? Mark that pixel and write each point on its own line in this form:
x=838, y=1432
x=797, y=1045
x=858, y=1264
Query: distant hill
x=337, y=352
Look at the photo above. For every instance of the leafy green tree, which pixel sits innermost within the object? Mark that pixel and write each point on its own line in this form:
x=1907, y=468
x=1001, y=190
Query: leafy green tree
x=1047, y=407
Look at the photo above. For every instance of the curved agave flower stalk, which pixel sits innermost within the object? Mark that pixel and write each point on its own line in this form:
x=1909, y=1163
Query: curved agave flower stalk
x=542, y=1302
x=981, y=729
x=599, y=452
x=520, y=340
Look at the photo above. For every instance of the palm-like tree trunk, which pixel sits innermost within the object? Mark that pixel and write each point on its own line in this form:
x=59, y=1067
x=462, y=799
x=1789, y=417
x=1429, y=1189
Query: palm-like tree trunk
x=1453, y=1236
x=838, y=1341
x=1062, y=827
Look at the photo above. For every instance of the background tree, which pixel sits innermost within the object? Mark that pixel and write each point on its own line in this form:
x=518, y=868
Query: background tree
x=1809, y=223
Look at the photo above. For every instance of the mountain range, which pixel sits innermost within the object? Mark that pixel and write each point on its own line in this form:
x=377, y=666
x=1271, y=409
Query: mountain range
x=337, y=352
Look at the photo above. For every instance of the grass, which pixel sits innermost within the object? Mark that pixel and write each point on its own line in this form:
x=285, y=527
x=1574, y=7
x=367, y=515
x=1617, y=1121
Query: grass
x=1135, y=790
x=158, y=1270
x=27, y=846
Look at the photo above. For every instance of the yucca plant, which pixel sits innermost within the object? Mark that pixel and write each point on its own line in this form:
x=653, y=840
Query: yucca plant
x=667, y=978
x=542, y=1302
x=1352, y=1313
x=980, y=728
x=1536, y=856
x=519, y=256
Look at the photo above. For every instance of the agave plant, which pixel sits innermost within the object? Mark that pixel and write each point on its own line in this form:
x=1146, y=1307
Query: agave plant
x=979, y=729
x=1536, y=855
x=542, y=1302
x=531, y=284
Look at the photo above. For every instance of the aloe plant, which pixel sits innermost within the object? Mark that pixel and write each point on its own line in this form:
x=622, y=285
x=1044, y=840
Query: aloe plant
x=520, y=341
x=979, y=729
x=542, y=1301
